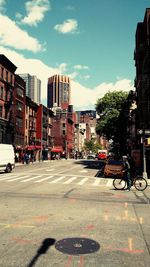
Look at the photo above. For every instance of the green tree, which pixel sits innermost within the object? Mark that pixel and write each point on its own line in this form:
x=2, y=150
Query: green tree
x=90, y=145
x=112, y=110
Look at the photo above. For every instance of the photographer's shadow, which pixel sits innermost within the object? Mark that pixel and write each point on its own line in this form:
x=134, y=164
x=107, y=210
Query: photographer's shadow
x=42, y=250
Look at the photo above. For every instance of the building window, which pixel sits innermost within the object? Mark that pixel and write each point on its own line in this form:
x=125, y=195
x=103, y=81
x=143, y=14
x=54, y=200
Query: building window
x=11, y=79
x=1, y=92
x=20, y=92
x=66, y=93
x=1, y=111
x=6, y=76
x=64, y=132
x=2, y=73
x=19, y=106
x=64, y=125
x=26, y=124
x=19, y=122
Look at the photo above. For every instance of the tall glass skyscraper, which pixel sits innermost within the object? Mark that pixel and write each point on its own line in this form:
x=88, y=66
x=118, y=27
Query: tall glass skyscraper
x=58, y=91
x=33, y=87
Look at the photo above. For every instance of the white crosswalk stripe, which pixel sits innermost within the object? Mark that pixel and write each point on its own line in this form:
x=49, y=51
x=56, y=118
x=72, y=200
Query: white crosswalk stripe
x=7, y=177
x=18, y=178
x=70, y=180
x=57, y=180
x=44, y=179
x=96, y=183
x=109, y=183
x=30, y=179
x=83, y=181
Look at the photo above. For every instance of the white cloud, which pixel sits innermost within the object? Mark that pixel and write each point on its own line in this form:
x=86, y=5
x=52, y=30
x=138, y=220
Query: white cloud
x=62, y=67
x=70, y=7
x=11, y=35
x=18, y=15
x=35, y=11
x=2, y=5
x=89, y=96
x=73, y=75
x=68, y=26
x=81, y=97
x=81, y=67
x=86, y=77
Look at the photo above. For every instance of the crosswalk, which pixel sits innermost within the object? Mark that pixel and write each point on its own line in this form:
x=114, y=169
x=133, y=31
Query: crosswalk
x=79, y=180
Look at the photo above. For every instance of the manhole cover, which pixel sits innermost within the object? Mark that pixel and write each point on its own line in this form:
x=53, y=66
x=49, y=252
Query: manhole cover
x=77, y=246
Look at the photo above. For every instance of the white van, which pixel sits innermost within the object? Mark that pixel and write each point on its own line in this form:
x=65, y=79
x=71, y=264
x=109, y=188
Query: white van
x=7, y=158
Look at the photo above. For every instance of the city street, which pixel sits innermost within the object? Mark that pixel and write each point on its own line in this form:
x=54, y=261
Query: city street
x=47, y=205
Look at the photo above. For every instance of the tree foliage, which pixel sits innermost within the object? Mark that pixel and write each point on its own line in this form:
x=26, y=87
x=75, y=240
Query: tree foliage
x=90, y=145
x=112, y=110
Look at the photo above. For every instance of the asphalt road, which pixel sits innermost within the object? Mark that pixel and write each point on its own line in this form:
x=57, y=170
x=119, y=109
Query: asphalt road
x=59, y=213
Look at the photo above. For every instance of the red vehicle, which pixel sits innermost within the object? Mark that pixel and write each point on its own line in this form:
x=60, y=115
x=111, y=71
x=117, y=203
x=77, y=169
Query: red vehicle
x=102, y=155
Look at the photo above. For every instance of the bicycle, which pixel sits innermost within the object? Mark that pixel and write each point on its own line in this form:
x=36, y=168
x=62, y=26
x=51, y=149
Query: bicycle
x=138, y=182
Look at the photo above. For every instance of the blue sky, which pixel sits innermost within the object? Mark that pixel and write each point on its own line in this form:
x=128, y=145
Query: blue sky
x=91, y=41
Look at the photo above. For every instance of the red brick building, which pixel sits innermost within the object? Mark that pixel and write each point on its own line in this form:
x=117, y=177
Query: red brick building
x=7, y=85
x=44, y=131
x=63, y=131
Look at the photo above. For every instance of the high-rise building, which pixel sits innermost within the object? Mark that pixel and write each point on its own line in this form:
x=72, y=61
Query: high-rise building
x=33, y=87
x=58, y=91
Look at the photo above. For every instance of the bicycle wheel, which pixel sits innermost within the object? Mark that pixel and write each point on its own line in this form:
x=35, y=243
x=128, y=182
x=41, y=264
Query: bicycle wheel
x=140, y=183
x=119, y=184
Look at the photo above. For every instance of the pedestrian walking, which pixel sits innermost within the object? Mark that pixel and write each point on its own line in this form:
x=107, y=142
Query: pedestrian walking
x=26, y=158
x=127, y=174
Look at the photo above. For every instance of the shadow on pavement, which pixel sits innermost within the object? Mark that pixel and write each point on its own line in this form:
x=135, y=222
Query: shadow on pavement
x=42, y=250
x=91, y=164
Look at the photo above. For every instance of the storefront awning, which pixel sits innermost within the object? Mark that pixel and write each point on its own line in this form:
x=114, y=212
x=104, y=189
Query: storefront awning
x=57, y=150
x=33, y=147
x=38, y=147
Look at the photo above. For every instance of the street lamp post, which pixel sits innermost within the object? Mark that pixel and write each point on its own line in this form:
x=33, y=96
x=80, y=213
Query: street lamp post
x=144, y=158
x=142, y=134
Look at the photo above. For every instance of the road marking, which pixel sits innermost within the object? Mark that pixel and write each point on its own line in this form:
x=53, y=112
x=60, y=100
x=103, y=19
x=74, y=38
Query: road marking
x=44, y=179
x=7, y=178
x=49, y=170
x=96, y=183
x=83, y=171
x=130, y=244
x=57, y=180
x=70, y=180
x=141, y=220
x=19, y=178
x=109, y=183
x=82, y=181
x=30, y=179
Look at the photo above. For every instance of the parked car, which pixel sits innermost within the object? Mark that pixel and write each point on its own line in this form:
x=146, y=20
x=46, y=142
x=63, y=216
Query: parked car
x=113, y=168
x=91, y=156
x=102, y=155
